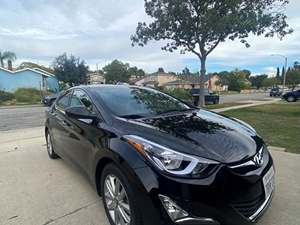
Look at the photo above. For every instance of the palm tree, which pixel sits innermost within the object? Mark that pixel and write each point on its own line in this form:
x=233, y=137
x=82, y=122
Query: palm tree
x=7, y=55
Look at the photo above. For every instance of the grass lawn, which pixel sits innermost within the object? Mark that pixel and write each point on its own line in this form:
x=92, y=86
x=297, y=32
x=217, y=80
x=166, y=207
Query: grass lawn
x=278, y=124
x=224, y=105
x=228, y=92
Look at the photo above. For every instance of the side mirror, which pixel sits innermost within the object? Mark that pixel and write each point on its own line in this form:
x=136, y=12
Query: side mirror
x=81, y=113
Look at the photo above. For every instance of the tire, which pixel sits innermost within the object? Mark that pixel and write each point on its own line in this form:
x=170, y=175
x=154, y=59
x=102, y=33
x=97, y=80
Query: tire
x=291, y=98
x=50, y=149
x=121, y=205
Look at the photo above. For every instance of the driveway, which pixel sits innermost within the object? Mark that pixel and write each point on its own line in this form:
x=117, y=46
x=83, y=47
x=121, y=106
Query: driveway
x=37, y=191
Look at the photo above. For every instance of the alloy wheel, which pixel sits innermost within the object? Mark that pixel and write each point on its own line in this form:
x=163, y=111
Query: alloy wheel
x=116, y=200
x=291, y=99
x=49, y=144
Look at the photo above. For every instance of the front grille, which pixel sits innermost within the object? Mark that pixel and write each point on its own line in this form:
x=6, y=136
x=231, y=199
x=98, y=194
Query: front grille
x=248, y=208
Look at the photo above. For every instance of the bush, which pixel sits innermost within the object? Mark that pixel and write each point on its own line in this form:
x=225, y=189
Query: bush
x=28, y=95
x=6, y=96
x=180, y=93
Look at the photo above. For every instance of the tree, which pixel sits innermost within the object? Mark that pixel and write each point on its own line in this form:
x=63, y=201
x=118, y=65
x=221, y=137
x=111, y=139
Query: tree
x=278, y=73
x=134, y=71
x=7, y=55
x=31, y=65
x=256, y=81
x=186, y=71
x=297, y=65
x=116, y=71
x=293, y=78
x=247, y=73
x=282, y=72
x=235, y=80
x=270, y=82
x=160, y=70
x=71, y=70
x=199, y=26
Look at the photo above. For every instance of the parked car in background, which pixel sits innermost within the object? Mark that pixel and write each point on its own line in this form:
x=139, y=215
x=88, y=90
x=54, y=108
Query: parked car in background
x=157, y=161
x=275, y=92
x=49, y=100
x=292, y=96
x=210, y=97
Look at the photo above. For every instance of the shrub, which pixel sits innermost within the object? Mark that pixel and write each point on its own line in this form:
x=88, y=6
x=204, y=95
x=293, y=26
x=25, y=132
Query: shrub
x=180, y=93
x=6, y=96
x=28, y=95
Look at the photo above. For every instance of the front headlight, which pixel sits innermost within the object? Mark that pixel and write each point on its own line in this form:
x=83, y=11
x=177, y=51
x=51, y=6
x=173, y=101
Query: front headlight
x=168, y=160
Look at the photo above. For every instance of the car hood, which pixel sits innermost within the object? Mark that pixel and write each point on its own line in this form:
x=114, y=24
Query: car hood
x=201, y=133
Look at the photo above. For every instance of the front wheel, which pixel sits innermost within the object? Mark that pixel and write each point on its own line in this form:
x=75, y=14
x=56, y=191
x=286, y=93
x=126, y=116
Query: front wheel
x=291, y=99
x=50, y=148
x=118, y=197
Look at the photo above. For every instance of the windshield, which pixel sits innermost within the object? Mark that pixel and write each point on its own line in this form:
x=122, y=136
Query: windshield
x=134, y=102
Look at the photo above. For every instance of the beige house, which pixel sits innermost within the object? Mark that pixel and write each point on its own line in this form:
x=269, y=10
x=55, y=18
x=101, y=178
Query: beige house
x=171, y=81
x=157, y=79
x=95, y=78
x=194, y=82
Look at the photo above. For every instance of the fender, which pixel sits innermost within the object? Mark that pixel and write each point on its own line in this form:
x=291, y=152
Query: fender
x=116, y=151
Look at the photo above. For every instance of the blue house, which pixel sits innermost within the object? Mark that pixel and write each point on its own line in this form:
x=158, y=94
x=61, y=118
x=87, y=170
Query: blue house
x=36, y=78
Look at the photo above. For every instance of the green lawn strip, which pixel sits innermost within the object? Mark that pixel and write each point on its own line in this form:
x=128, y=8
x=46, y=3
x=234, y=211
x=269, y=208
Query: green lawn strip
x=278, y=124
x=224, y=105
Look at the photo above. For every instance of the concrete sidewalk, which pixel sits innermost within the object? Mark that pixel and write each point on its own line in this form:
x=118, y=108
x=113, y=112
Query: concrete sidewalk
x=35, y=190
x=253, y=103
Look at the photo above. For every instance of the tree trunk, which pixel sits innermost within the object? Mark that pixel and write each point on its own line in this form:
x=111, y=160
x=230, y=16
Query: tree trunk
x=2, y=63
x=202, y=81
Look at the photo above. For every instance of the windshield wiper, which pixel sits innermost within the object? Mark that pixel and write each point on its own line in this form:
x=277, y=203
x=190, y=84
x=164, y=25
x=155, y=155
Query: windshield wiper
x=133, y=116
x=177, y=111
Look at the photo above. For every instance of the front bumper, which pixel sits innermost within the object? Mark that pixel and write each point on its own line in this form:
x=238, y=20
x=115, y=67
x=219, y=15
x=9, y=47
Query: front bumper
x=227, y=197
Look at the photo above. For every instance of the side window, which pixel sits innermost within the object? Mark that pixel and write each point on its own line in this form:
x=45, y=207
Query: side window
x=80, y=98
x=64, y=102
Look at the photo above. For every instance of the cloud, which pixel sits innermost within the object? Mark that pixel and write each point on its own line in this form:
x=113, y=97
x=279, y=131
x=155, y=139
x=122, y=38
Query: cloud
x=99, y=31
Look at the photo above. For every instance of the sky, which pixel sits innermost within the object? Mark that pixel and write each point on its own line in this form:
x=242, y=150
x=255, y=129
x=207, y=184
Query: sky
x=99, y=31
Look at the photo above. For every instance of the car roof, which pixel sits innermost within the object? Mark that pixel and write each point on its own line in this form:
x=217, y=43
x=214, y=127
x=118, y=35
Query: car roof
x=92, y=86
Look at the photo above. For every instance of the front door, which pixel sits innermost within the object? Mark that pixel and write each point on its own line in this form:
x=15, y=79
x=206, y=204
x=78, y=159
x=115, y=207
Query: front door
x=81, y=133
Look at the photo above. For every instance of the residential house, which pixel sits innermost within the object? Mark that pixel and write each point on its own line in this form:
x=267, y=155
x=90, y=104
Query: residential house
x=157, y=79
x=36, y=78
x=95, y=78
x=192, y=81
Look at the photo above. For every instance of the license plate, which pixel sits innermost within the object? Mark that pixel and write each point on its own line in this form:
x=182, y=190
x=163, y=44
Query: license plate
x=269, y=182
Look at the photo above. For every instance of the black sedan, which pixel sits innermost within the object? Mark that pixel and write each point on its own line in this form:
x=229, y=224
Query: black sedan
x=209, y=97
x=275, y=92
x=156, y=160
x=292, y=96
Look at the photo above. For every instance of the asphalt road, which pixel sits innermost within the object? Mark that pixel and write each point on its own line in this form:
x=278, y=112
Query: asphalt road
x=35, y=190
x=243, y=97
x=27, y=117
x=21, y=117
